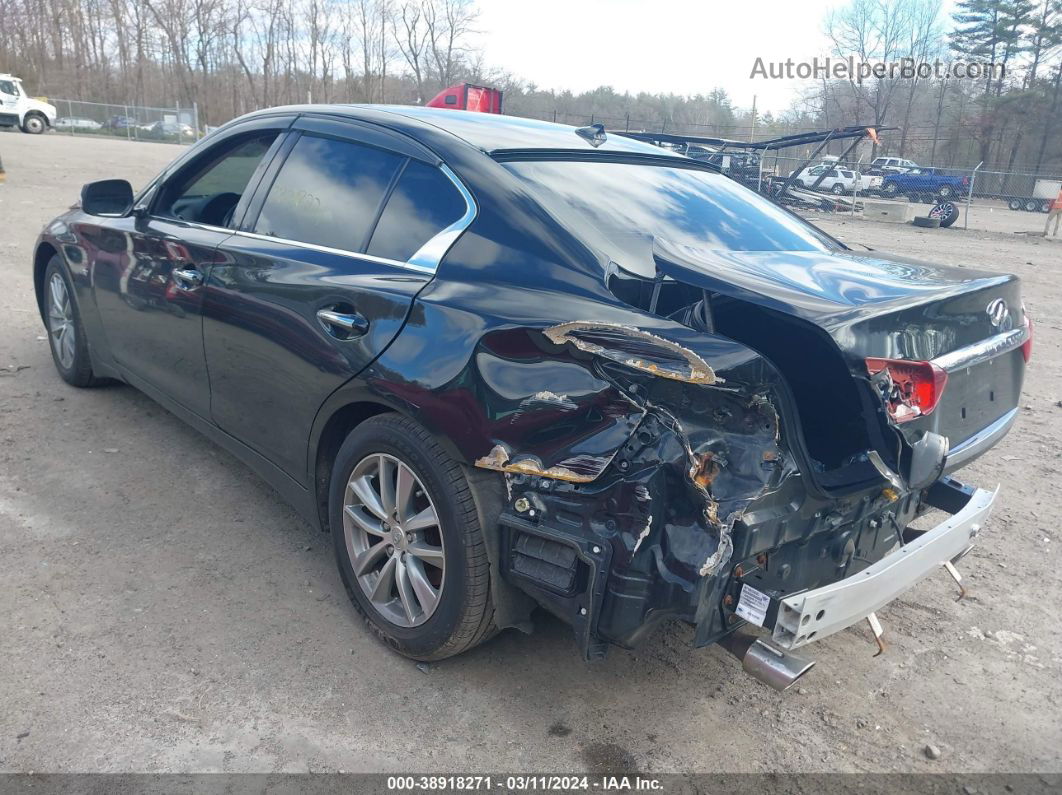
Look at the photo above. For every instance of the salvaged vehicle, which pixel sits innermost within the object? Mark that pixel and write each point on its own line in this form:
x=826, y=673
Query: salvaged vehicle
x=930, y=181
x=511, y=364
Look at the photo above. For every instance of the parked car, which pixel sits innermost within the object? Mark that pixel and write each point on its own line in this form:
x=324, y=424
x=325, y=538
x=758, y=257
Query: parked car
x=891, y=165
x=32, y=116
x=920, y=181
x=170, y=129
x=75, y=123
x=507, y=363
x=122, y=123
x=837, y=180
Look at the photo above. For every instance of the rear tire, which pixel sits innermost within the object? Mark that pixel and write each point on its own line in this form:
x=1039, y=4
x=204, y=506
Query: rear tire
x=66, y=334
x=1032, y=206
x=1014, y=204
x=371, y=529
x=890, y=189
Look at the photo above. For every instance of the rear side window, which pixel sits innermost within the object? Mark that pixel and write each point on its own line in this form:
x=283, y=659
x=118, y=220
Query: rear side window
x=619, y=208
x=328, y=192
x=423, y=203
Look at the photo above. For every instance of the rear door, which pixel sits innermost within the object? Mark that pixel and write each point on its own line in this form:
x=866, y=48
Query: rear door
x=348, y=224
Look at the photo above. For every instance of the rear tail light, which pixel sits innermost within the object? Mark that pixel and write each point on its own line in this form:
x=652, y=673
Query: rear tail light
x=909, y=389
x=1026, y=347
x=965, y=181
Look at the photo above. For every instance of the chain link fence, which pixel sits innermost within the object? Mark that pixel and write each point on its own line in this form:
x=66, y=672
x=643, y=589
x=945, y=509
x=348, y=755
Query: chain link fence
x=923, y=185
x=1016, y=191
x=132, y=122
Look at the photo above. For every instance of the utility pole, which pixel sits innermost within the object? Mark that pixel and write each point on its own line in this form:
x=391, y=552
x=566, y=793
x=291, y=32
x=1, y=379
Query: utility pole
x=752, y=134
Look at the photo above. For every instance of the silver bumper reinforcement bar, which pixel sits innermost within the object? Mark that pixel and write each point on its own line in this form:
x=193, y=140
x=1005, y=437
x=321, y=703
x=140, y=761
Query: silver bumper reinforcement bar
x=812, y=615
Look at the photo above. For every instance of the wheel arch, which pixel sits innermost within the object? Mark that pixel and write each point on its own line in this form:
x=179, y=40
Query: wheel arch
x=333, y=431
x=41, y=257
x=29, y=114
x=344, y=411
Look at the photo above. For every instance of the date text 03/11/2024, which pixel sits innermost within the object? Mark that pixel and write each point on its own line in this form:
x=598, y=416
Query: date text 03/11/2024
x=543, y=783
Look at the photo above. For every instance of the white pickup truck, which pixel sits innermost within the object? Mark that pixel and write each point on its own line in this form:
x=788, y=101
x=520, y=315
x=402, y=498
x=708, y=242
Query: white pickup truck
x=17, y=109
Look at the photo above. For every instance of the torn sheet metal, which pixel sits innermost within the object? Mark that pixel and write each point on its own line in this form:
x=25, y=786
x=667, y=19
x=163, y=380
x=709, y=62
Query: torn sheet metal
x=552, y=417
x=635, y=348
x=577, y=469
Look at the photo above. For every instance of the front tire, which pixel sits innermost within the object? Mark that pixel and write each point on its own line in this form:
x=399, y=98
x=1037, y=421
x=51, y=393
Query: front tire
x=66, y=334
x=408, y=541
x=34, y=124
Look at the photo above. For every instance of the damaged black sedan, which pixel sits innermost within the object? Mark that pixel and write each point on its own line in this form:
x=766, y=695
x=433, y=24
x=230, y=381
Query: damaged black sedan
x=510, y=364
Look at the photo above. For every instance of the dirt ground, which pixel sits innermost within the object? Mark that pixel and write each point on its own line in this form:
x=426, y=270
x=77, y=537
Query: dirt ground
x=162, y=610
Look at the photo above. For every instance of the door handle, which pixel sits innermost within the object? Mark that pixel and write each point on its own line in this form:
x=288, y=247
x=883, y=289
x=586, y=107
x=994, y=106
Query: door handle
x=187, y=278
x=344, y=325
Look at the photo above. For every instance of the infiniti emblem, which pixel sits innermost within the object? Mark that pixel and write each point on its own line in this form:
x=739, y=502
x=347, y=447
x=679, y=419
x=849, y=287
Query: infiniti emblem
x=998, y=313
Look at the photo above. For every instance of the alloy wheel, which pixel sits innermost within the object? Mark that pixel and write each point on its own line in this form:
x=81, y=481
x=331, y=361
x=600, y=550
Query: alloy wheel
x=394, y=540
x=61, y=322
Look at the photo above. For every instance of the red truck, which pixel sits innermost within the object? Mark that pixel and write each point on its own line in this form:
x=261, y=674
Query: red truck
x=466, y=96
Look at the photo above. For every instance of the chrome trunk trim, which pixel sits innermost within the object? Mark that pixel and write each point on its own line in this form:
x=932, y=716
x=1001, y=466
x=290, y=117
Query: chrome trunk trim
x=982, y=351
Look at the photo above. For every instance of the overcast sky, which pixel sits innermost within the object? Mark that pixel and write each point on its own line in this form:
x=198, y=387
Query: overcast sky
x=679, y=46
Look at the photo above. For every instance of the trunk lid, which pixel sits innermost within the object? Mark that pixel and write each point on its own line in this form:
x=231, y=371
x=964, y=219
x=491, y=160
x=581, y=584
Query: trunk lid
x=875, y=305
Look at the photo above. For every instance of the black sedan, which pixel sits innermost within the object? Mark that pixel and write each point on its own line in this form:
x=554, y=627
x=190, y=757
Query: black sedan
x=510, y=364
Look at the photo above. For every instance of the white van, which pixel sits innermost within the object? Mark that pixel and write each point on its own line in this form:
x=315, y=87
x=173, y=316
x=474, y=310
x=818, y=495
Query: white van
x=17, y=109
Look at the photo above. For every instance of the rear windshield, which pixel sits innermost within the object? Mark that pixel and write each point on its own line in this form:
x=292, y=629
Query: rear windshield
x=620, y=207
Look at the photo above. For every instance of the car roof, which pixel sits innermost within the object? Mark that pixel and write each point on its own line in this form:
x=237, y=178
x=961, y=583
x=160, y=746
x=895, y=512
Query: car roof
x=491, y=132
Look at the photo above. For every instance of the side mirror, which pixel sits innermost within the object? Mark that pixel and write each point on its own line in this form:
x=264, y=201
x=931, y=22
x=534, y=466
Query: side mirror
x=106, y=197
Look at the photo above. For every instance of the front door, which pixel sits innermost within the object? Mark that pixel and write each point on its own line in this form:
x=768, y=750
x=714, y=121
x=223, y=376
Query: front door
x=9, y=100
x=151, y=299
x=320, y=279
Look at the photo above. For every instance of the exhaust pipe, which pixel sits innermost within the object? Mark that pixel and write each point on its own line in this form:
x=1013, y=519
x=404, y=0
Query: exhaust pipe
x=773, y=667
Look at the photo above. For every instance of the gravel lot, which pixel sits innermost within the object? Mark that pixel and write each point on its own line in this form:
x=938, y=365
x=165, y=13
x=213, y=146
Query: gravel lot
x=162, y=610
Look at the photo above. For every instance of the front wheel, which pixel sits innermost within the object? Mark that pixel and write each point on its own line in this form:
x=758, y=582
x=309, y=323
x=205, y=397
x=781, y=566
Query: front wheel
x=34, y=124
x=66, y=334
x=837, y=189
x=408, y=540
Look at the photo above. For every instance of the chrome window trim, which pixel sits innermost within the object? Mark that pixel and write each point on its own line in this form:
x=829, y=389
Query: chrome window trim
x=425, y=260
x=431, y=253
x=340, y=251
x=982, y=351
